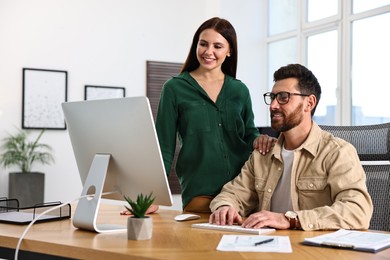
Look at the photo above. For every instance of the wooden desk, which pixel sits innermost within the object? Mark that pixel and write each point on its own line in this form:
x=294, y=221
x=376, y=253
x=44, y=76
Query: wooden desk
x=171, y=240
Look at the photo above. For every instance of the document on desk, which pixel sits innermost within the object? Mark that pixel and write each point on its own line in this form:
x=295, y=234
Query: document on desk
x=367, y=241
x=253, y=243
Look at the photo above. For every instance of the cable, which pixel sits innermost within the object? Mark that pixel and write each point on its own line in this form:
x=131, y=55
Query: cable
x=47, y=211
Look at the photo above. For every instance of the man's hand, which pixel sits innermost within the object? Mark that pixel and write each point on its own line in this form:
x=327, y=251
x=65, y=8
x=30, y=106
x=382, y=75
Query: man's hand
x=264, y=143
x=267, y=219
x=225, y=215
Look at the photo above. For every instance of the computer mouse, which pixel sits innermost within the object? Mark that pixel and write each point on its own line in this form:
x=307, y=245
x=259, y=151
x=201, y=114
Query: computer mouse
x=184, y=217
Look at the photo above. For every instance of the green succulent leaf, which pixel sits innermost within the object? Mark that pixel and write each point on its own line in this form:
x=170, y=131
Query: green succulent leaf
x=139, y=207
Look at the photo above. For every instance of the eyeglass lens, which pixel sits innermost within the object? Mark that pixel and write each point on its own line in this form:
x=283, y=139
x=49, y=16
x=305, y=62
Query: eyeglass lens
x=281, y=97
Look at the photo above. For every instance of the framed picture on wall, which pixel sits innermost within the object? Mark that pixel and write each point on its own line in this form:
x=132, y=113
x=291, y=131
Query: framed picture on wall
x=103, y=92
x=43, y=92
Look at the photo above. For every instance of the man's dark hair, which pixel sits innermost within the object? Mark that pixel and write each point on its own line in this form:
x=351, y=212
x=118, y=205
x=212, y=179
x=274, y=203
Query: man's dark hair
x=307, y=82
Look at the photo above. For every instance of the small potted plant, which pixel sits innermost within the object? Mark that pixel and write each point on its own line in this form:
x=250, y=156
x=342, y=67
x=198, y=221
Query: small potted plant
x=139, y=226
x=25, y=185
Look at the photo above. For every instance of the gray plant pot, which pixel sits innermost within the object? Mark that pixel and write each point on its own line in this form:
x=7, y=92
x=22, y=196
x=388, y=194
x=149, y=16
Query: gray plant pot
x=139, y=228
x=28, y=188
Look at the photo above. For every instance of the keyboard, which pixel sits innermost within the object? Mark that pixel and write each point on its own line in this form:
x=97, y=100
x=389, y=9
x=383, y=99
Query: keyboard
x=234, y=228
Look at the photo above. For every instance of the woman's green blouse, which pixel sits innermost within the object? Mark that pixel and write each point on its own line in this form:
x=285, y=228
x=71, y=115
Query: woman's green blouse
x=215, y=138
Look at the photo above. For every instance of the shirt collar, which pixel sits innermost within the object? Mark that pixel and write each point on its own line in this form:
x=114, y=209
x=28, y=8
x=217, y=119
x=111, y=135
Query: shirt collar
x=310, y=144
x=186, y=75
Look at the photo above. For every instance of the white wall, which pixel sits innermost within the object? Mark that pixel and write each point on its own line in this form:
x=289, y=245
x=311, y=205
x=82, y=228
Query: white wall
x=106, y=42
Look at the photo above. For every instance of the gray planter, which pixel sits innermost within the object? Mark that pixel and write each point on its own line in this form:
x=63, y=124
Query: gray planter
x=28, y=188
x=139, y=228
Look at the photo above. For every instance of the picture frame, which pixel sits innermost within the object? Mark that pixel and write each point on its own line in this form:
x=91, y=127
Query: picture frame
x=43, y=92
x=103, y=92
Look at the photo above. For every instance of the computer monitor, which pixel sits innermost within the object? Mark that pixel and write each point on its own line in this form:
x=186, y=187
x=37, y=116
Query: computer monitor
x=116, y=149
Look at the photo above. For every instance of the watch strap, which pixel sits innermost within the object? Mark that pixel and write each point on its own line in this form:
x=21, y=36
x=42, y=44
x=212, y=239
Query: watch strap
x=293, y=219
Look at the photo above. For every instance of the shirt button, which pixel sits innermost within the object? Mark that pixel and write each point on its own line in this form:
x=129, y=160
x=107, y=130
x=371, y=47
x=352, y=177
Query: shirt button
x=311, y=225
x=279, y=169
x=219, y=124
x=311, y=185
x=269, y=190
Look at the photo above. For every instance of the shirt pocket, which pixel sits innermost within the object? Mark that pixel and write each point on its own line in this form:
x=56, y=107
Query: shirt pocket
x=313, y=192
x=195, y=117
x=234, y=120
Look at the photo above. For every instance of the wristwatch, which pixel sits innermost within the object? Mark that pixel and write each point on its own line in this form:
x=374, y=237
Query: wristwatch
x=293, y=219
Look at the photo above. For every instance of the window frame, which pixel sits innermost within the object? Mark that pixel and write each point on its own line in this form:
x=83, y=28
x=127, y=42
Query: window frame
x=341, y=22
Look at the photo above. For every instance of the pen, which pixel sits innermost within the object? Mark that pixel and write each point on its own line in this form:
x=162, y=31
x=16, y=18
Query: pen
x=264, y=241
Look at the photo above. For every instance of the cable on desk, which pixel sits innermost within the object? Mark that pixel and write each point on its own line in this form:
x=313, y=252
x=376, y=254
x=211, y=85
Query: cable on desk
x=47, y=211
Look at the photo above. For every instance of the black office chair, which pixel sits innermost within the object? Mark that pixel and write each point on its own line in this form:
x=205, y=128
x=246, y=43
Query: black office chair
x=372, y=143
x=267, y=130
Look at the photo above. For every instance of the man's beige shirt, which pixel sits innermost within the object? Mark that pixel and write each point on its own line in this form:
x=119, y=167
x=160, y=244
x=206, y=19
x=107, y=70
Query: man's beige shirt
x=328, y=184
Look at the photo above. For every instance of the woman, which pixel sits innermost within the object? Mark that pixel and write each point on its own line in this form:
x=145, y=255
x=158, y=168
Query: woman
x=211, y=113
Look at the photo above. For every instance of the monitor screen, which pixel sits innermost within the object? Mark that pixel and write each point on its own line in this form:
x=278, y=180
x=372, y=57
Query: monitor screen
x=116, y=150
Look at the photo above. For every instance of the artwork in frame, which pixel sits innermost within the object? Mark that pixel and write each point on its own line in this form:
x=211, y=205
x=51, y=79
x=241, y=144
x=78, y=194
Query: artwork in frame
x=103, y=92
x=43, y=92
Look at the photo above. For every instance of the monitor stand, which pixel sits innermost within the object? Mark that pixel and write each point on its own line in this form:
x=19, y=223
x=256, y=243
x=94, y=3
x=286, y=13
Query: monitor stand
x=88, y=206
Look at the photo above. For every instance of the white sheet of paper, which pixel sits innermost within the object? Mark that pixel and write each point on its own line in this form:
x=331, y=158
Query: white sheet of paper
x=246, y=243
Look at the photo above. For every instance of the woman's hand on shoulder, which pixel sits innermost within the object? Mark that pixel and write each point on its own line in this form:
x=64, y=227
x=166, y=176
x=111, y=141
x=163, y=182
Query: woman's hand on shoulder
x=264, y=143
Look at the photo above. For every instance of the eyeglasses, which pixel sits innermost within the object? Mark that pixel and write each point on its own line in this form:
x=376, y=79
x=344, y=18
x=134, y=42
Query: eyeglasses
x=282, y=97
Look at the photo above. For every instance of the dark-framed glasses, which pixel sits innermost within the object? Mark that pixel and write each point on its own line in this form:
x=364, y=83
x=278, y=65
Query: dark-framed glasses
x=282, y=97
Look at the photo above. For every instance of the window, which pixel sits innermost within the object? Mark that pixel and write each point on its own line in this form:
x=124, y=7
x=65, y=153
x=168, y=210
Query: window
x=344, y=42
x=325, y=67
x=320, y=9
x=280, y=53
x=364, y=5
x=370, y=56
x=283, y=16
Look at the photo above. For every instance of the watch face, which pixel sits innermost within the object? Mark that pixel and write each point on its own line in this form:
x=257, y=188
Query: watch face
x=291, y=214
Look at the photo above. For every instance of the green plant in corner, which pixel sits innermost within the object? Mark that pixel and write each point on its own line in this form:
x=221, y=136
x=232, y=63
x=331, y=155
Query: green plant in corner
x=140, y=206
x=21, y=152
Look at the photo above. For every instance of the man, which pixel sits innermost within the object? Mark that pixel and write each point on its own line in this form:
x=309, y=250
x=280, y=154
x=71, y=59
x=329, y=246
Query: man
x=310, y=180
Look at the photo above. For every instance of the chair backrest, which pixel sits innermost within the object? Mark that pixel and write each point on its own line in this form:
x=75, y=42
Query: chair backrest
x=267, y=130
x=372, y=143
x=378, y=185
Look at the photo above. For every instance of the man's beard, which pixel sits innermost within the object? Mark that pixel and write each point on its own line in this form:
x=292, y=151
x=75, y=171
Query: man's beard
x=288, y=122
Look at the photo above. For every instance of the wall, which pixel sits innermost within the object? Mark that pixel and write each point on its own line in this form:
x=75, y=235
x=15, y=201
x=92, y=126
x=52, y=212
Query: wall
x=105, y=42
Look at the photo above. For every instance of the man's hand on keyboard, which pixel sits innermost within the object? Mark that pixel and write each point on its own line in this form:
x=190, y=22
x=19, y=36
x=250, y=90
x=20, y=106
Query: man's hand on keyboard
x=225, y=215
x=266, y=218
